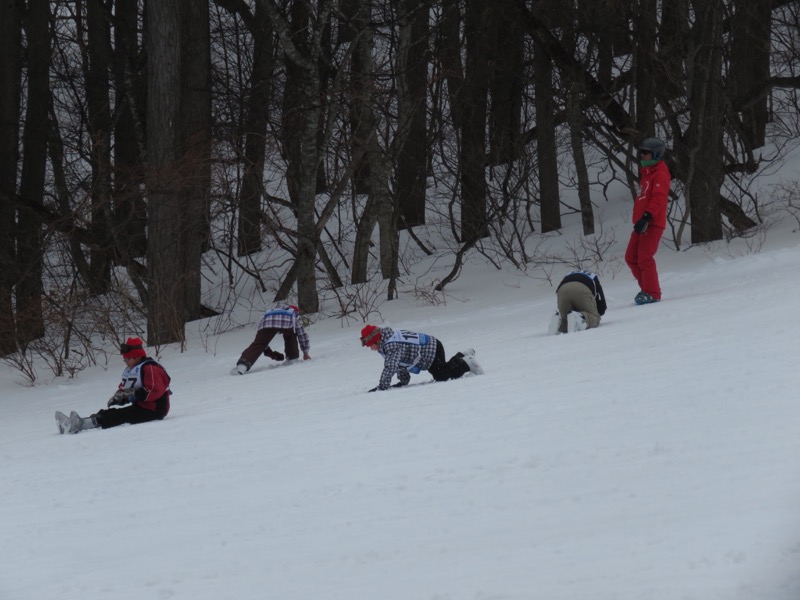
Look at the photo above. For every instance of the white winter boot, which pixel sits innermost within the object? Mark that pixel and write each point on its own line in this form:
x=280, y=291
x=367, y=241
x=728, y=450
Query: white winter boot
x=473, y=364
x=576, y=322
x=555, y=324
x=78, y=423
x=62, y=422
x=240, y=369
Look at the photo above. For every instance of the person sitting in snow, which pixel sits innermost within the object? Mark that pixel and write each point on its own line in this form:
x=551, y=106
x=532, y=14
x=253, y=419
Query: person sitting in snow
x=405, y=352
x=143, y=394
x=284, y=320
x=580, y=301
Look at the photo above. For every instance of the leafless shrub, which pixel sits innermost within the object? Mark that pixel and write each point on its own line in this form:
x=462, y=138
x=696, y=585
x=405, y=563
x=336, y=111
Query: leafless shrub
x=592, y=252
x=23, y=361
x=81, y=329
x=787, y=195
x=430, y=294
x=73, y=341
x=357, y=301
x=750, y=244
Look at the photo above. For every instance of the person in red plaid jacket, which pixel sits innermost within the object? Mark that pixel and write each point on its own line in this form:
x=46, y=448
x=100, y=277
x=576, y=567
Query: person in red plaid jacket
x=405, y=352
x=283, y=320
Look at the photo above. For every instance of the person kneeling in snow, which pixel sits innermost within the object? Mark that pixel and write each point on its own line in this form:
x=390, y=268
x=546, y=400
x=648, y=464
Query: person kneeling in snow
x=581, y=302
x=405, y=352
x=143, y=394
x=284, y=320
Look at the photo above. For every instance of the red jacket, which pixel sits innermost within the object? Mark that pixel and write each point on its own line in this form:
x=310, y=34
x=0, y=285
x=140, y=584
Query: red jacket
x=653, y=194
x=149, y=382
x=156, y=384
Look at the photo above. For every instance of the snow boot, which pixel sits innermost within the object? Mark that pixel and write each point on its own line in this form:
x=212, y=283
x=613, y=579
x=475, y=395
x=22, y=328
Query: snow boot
x=240, y=369
x=62, y=422
x=645, y=298
x=576, y=322
x=555, y=326
x=78, y=423
x=474, y=366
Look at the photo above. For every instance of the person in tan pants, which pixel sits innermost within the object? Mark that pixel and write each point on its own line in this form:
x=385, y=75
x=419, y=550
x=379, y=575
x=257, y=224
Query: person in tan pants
x=580, y=302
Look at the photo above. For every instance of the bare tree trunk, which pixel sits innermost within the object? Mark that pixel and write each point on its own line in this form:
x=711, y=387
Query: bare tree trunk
x=255, y=132
x=672, y=33
x=10, y=86
x=165, y=310
x=506, y=56
x=363, y=242
x=326, y=72
x=449, y=56
x=307, y=297
x=290, y=32
x=130, y=217
x=645, y=67
x=411, y=141
x=750, y=67
x=704, y=135
x=546, y=148
x=472, y=101
x=376, y=172
x=576, y=123
x=30, y=321
x=387, y=213
x=300, y=40
x=195, y=140
x=360, y=126
x=98, y=102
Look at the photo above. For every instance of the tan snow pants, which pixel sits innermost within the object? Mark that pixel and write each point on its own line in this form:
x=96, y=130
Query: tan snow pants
x=574, y=295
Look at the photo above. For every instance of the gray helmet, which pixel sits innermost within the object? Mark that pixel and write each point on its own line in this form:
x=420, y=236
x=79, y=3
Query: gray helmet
x=654, y=145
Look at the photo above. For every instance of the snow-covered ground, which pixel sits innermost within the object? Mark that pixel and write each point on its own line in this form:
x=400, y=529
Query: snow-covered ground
x=656, y=457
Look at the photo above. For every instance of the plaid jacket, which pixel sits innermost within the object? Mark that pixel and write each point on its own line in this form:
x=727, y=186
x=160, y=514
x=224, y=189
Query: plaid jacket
x=401, y=357
x=284, y=317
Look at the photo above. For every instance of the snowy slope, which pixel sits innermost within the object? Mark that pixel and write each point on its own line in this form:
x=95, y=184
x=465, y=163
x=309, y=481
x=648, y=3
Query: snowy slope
x=655, y=457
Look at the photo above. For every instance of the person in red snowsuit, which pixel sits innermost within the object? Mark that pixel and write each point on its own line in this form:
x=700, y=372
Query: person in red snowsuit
x=142, y=395
x=649, y=220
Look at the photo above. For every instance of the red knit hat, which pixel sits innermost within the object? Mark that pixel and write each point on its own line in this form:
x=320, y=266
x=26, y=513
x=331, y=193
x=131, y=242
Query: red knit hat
x=132, y=348
x=370, y=335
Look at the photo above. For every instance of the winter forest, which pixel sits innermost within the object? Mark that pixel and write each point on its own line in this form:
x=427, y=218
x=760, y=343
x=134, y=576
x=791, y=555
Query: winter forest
x=157, y=158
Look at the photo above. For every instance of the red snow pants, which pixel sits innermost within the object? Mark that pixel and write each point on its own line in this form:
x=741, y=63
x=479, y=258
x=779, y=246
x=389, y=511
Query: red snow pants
x=640, y=256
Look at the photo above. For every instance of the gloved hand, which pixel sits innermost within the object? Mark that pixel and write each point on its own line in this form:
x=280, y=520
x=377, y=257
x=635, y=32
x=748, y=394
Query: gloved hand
x=644, y=221
x=120, y=398
x=274, y=354
x=375, y=389
x=398, y=384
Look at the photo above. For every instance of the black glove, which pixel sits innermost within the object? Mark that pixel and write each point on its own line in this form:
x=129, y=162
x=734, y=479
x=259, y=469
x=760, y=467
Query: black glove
x=641, y=225
x=375, y=389
x=120, y=398
x=398, y=384
x=274, y=354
